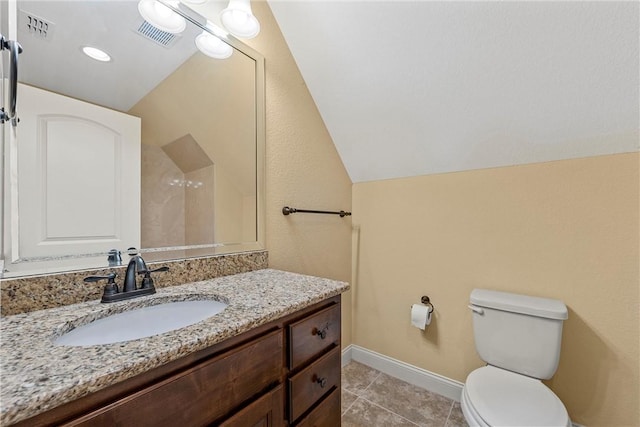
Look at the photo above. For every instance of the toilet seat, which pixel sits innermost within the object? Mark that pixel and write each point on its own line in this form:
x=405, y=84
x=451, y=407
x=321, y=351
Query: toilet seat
x=470, y=414
x=497, y=397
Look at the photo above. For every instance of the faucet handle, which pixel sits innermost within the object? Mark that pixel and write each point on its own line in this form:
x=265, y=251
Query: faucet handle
x=147, y=281
x=111, y=277
x=110, y=288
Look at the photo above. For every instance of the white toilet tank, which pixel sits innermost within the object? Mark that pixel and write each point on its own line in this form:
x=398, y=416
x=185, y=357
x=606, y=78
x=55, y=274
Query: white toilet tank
x=517, y=332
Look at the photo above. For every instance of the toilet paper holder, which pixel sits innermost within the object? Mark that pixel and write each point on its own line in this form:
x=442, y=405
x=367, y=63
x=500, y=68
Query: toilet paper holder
x=425, y=300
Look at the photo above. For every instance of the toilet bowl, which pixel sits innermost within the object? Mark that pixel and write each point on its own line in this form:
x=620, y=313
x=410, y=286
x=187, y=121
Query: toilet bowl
x=519, y=338
x=496, y=397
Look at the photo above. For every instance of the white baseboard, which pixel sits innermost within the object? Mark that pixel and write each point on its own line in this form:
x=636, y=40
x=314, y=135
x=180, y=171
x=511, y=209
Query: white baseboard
x=346, y=355
x=412, y=374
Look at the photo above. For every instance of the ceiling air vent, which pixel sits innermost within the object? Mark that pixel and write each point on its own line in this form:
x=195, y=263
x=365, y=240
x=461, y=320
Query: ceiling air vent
x=152, y=33
x=36, y=26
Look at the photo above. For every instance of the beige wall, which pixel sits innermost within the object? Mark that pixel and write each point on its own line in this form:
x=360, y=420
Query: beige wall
x=303, y=170
x=566, y=229
x=211, y=120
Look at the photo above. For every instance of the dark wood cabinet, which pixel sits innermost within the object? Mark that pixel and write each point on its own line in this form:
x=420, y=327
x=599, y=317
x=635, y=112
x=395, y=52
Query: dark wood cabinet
x=266, y=411
x=284, y=373
x=313, y=335
x=200, y=394
x=325, y=414
x=314, y=382
x=314, y=367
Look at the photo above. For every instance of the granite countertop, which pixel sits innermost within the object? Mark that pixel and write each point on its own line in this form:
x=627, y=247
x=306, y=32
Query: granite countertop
x=37, y=376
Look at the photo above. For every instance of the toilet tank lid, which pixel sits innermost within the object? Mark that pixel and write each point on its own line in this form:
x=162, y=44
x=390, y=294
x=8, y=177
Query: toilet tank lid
x=524, y=304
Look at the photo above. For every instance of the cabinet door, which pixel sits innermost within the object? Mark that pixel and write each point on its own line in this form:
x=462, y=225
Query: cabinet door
x=200, y=395
x=267, y=411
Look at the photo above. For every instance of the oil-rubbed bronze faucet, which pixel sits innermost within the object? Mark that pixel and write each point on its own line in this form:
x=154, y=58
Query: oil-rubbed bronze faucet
x=136, y=264
x=130, y=288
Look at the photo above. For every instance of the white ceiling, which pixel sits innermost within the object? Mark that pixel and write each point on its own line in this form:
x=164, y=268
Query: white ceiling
x=409, y=88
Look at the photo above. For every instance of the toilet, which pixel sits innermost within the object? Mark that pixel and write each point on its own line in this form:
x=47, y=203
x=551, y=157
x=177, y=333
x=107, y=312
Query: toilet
x=519, y=337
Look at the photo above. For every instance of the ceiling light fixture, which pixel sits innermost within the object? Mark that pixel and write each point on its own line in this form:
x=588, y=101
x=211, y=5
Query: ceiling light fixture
x=212, y=46
x=161, y=16
x=97, y=54
x=239, y=20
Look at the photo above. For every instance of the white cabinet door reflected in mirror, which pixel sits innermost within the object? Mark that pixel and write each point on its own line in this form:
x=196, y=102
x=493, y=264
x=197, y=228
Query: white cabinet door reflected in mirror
x=78, y=176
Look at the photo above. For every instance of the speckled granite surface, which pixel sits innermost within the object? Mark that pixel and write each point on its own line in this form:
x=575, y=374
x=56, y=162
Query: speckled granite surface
x=27, y=294
x=36, y=375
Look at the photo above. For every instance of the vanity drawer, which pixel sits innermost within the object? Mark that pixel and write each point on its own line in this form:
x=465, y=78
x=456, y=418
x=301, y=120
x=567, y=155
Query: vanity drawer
x=326, y=414
x=267, y=411
x=313, y=382
x=312, y=335
x=202, y=394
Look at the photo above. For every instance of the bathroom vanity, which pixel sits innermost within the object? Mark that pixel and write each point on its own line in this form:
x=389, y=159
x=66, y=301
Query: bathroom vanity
x=271, y=358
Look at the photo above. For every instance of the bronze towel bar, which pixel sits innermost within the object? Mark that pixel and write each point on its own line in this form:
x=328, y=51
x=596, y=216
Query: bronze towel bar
x=287, y=210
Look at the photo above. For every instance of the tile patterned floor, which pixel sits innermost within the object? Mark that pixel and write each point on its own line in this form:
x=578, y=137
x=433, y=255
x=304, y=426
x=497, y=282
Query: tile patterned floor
x=373, y=399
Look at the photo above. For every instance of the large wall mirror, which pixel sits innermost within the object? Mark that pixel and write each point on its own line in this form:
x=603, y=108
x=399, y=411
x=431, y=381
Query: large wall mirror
x=160, y=148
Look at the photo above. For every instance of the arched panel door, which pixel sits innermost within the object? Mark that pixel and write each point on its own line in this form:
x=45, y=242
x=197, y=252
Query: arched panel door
x=78, y=176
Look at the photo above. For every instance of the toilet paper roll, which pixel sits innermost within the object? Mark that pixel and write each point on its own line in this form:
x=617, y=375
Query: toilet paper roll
x=421, y=315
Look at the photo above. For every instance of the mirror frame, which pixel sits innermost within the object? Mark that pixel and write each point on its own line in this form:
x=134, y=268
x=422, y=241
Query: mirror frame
x=9, y=254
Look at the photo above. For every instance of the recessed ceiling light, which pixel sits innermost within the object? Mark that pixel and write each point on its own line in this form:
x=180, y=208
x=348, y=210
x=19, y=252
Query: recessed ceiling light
x=212, y=46
x=239, y=19
x=97, y=54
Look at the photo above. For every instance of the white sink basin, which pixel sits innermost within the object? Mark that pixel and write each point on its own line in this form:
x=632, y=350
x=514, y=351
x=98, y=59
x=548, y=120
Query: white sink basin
x=141, y=322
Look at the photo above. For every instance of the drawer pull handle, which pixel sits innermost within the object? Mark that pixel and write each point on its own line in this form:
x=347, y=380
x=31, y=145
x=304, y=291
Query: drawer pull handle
x=322, y=333
x=322, y=382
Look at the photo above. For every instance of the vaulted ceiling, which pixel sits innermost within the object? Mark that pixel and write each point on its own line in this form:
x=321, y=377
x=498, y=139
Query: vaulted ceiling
x=417, y=87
